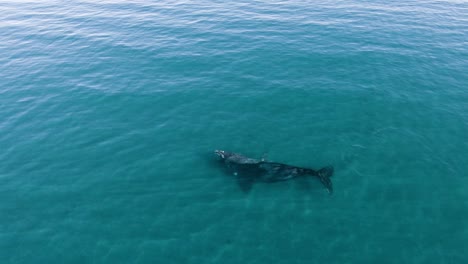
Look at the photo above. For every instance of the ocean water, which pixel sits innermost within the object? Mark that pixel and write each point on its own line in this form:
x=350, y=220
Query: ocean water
x=110, y=111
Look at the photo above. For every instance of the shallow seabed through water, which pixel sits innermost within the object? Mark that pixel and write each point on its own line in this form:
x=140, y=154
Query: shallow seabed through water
x=110, y=111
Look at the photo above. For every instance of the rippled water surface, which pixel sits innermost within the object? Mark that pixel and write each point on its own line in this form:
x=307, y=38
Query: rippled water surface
x=110, y=111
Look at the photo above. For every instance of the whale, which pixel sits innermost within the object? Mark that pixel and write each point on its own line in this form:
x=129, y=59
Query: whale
x=250, y=170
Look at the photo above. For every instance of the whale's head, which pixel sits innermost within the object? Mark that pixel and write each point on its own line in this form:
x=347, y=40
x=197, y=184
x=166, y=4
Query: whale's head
x=222, y=154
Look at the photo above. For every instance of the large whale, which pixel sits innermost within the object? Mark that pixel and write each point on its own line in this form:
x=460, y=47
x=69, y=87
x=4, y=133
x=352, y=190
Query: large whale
x=251, y=170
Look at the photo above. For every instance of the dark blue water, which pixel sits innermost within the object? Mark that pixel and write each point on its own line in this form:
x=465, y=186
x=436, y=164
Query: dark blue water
x=110, y=111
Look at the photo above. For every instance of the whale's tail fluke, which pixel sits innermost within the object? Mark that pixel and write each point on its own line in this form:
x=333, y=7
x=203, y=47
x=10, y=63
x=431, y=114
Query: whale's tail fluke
x=324, y=175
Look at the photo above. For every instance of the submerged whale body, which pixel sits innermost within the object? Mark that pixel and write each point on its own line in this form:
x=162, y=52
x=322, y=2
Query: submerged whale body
x=251, y=170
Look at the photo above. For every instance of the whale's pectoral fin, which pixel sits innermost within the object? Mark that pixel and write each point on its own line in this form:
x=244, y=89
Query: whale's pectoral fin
x=245, y=183
x=324, y=176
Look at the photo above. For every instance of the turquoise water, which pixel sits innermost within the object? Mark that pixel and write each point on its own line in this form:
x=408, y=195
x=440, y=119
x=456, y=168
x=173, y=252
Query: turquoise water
x=110, y=111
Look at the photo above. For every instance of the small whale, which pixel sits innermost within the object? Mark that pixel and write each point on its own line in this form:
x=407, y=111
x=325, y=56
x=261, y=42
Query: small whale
x=251, y=170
